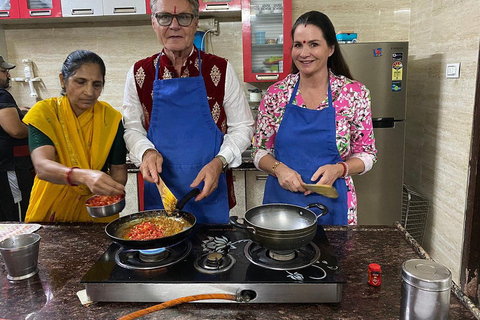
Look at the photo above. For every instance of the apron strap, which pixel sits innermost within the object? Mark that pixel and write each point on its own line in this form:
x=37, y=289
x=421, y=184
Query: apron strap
x=295, y=89
x=158, y=64
x=294, y=92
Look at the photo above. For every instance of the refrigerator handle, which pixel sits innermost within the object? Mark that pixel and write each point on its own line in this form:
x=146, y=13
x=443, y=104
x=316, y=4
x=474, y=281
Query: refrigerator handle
x=383, y=122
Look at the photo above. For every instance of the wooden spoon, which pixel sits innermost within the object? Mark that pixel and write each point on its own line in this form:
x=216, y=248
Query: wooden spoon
x=323, y=189
x=168, y=199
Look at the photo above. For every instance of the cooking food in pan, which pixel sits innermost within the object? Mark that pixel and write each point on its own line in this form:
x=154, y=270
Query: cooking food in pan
x=155, y=227
x=119, y=228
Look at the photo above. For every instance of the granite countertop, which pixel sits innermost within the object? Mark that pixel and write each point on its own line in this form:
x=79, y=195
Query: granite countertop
x=68, y=251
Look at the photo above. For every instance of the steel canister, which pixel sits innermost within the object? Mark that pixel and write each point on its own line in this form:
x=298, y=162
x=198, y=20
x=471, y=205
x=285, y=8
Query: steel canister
x=425, y=290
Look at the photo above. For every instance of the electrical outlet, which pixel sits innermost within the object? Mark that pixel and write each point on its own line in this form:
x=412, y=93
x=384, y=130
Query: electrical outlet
x=205, y=24
x=452, y=70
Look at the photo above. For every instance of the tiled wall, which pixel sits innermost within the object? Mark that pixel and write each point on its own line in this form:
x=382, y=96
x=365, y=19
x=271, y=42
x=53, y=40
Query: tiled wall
x=439, y=118
x=439, y=110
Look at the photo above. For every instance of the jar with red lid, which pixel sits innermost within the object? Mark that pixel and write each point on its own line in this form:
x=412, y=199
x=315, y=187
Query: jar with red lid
x=374, y=274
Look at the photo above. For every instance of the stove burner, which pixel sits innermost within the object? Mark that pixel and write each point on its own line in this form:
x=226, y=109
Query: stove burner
x=153, y=255
x=134, y=259
x=214, y=262
x=281, y=255
x=298, y=259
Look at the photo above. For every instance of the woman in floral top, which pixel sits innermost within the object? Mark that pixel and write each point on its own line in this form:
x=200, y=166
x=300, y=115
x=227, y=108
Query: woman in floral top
x=315, y=126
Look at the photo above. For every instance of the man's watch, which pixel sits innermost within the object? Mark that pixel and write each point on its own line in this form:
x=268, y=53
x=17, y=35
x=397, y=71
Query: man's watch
x=224, y=162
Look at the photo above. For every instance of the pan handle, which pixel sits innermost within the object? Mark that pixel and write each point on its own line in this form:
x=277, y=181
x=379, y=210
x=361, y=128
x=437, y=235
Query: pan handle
x=323, y=208
x=234, y=222
x=186, y=198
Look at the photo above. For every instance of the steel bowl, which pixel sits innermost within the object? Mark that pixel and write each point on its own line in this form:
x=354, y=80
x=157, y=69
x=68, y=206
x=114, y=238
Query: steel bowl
x=105, y=211
x=20, y=253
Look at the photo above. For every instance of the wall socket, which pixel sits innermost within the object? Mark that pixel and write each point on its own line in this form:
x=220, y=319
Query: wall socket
x=452, y=70
x=205, y=24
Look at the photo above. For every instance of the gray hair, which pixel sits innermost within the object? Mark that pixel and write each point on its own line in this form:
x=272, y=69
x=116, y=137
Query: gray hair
x=194, y=3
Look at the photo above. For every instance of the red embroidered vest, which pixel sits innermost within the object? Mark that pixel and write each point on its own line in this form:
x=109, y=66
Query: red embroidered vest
x=214, y=71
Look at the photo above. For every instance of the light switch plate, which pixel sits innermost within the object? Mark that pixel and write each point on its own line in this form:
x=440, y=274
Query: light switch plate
x=453, y=70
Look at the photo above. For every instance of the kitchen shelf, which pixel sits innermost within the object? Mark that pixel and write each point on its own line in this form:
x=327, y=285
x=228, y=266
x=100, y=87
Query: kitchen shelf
x=258, y=29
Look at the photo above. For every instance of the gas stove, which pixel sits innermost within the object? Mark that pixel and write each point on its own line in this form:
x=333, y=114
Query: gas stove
x=218, y=259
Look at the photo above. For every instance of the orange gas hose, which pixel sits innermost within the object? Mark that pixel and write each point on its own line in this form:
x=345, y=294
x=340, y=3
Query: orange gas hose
x=174, y=302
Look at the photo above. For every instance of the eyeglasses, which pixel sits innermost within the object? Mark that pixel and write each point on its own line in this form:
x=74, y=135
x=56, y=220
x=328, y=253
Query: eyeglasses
x=165, y=19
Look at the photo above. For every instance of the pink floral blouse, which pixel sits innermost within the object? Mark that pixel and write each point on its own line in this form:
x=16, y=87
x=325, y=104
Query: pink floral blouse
x=353, y=119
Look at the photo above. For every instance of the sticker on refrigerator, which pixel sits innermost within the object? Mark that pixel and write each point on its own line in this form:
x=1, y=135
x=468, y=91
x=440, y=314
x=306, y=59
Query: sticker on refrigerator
x=397, y=56
x=377, y=52
x=397, y=71
x=396, y=86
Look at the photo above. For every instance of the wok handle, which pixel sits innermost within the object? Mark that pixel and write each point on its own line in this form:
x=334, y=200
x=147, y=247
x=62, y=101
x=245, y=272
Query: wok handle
x=186, y=198
x=323, y=208
x=234, y=222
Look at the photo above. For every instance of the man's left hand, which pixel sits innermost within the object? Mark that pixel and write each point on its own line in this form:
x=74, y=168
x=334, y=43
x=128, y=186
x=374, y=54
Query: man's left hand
x=210, y=174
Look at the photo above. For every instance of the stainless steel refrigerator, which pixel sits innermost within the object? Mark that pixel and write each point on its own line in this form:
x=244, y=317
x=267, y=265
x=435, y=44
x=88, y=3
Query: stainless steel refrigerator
x=382, y=67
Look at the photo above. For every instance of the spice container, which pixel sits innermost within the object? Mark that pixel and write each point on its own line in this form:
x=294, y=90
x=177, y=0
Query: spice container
x=255, y=95
x=425, y=290
x=374, y=274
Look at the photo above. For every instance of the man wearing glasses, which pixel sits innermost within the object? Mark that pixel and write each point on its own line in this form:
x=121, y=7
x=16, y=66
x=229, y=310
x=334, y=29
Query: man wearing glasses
x=15, y=165
x=186, y=116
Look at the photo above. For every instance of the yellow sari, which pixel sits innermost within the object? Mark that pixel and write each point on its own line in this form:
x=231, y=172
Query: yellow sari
x=83, y=142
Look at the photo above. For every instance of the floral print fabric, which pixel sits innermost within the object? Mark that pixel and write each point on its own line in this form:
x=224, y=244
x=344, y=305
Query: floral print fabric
x=353, y=120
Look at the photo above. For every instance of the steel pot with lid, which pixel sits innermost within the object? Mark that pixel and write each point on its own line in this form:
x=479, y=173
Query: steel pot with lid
x=281, y=227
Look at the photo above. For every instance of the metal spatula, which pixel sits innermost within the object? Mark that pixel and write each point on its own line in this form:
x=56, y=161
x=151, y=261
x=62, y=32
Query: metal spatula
x=323, y=189
x=168, y=199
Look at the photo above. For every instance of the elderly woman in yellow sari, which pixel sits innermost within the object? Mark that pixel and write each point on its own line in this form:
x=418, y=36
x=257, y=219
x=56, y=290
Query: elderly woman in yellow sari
x=76, y=144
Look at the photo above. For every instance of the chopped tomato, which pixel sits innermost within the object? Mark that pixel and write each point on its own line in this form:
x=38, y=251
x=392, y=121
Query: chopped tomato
x=145, y=231
x=100, y=201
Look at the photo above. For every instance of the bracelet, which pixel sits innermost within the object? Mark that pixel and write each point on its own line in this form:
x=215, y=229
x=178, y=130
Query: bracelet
x=345, y=169
x=275, y=165
x=69, y=173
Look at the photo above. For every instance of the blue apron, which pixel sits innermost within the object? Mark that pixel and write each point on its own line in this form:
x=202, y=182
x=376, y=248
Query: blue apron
x=183, y=131
x=305, y=141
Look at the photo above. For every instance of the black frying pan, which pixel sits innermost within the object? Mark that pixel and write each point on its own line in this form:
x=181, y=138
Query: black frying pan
x=115, y=229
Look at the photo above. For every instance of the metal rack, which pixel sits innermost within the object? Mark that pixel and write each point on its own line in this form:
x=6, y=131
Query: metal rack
x=414, y=213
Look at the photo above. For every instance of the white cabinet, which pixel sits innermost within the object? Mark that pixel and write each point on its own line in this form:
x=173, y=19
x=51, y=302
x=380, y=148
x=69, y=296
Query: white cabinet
x=131, y=196
x=78, y=8
x=255, y=186
x=239, y=186
x=249, y=186
x=124, y=7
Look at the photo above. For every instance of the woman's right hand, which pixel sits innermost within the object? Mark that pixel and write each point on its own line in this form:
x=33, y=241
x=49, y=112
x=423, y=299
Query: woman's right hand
x=100, y=183
x=289, y=179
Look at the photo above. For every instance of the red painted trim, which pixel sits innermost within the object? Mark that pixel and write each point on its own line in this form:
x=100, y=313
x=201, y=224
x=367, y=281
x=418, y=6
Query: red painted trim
x=25, y=12
x=13, y=13
x=287, y=40
x=149, y=10
x=248, y=75
x=140, y=191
